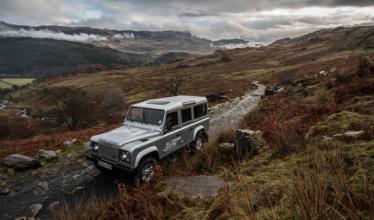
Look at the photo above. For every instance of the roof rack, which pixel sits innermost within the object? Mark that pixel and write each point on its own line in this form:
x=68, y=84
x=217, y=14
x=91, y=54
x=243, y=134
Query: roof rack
x=188, y=103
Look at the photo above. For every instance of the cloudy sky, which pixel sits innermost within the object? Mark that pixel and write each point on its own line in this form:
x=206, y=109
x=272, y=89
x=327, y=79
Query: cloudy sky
x=258, y=20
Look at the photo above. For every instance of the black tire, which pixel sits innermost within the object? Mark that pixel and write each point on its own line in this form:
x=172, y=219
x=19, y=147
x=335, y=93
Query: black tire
x=197, y=144
x=146, y=172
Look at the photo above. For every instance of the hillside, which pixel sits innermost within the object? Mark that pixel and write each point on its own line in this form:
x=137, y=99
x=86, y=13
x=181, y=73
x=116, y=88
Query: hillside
x=310, y=132
x=45, y=57
x=51, y=50
x=229, y=71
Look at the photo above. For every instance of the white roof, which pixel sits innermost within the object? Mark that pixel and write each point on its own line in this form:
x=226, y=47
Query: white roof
x=169, y=103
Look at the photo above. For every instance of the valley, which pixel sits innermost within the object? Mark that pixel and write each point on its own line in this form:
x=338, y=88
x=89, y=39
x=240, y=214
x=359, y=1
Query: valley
x=306, y=104
x=46, y=51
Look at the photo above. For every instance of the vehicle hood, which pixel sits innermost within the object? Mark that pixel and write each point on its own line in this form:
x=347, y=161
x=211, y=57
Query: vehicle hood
x=124, y=135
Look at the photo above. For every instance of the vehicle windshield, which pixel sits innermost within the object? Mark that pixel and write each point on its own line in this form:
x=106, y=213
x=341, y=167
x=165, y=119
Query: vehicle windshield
x=145, y=115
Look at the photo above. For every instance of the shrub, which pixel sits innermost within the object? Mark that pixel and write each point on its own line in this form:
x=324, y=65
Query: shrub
x=82, y=210
x=324, y=191
x=141, y=203
x=284, y=128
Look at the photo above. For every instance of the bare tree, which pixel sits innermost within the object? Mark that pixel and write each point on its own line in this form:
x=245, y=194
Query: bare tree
x=73, y=107
x=175, y=83
x=108, y=103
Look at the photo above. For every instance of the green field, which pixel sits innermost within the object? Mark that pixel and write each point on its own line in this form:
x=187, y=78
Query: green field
x=6, y=83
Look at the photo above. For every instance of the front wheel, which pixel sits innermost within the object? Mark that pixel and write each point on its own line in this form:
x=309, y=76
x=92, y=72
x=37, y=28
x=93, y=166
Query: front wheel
x=146, y=170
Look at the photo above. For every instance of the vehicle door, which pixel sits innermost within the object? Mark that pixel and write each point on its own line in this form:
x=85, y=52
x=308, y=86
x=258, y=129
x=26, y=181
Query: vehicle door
x=172, y=133
x=187, y=127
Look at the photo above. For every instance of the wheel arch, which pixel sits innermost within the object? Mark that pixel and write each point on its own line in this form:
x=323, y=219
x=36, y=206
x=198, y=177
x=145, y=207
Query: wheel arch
x=198, y=129
x=149, y=151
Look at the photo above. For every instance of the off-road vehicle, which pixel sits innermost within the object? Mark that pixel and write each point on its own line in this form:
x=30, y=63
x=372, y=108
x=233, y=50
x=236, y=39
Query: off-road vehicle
x=151, y=131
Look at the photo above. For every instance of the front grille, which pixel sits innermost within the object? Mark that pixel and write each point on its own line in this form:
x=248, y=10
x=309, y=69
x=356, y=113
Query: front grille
x=108, y=152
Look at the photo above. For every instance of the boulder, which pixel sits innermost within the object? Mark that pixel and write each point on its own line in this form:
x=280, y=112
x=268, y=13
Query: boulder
x=69, y=142
x=47, y=154
x=269, y=90
x=247, y=143
x=4, y=191
x=353, y=134
x=350, y=135
x=272, y=89
x=227, y=151
x=226, y=146
x=20, y=162
x=35, y=209
x=54, y=205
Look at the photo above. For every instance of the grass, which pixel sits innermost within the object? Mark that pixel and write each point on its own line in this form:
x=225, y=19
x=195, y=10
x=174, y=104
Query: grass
x=82, y=210
x=75, y=149
x=6, y=83
x=323, y=180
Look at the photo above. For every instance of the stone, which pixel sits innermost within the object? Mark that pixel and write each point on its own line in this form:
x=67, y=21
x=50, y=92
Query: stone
x=246, y=143
x=44, y=185
x=271, y=90
x=354, y=134
x=226, y=146
x=11, y=172
x=35, y=209
x=325, y=139
x=351, y=135
x=227, y=150
x=4, y=191
x=195, y=186
x=69, y=142
x=20, y=162
x=54, y=204
x=76, y=176
x=47, y=154
x=86, y=145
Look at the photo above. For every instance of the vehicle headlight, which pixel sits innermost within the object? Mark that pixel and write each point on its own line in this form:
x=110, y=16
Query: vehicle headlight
x=94, y=146
x=125, y=156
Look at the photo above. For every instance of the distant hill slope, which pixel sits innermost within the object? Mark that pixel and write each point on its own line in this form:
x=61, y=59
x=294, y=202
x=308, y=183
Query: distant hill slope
x=123, y=40
x=33, y=56
x=229, y=71
x=40, y=55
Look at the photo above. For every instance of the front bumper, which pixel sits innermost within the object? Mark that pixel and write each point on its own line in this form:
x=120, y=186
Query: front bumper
x=117, y=166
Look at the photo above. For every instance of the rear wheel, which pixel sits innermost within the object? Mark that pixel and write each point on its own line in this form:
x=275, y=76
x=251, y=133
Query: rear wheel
x=197, y=144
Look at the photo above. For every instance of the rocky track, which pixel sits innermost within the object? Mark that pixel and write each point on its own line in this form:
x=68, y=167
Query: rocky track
x=71, y=178
x=229, y=114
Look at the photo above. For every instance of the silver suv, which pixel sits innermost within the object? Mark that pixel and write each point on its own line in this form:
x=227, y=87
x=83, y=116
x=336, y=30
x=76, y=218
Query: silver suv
x=152, y=130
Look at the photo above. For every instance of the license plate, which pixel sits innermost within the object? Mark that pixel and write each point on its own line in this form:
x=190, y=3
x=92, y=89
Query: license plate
x=105, y=165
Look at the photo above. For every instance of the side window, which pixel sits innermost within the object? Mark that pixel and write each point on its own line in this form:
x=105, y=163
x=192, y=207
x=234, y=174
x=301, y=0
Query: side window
x=172, y=119
x=200, y=110
x=186, y=115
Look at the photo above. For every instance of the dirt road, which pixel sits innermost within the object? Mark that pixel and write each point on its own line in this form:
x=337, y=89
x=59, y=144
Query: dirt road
x=230, y=114
x=72, y=178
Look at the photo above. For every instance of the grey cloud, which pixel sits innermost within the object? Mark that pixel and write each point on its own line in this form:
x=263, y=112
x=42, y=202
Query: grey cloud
x=260, y=20
x=196, y=13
